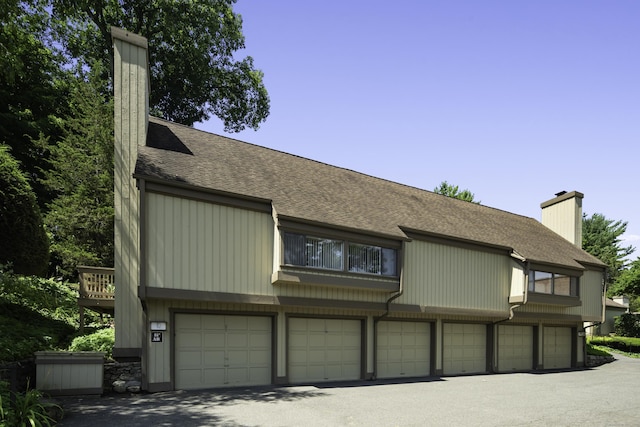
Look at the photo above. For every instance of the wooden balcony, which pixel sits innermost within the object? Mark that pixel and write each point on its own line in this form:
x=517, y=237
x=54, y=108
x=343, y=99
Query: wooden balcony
x=96, y=291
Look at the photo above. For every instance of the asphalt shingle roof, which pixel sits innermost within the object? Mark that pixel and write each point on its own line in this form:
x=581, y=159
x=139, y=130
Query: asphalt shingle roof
x=313, y=191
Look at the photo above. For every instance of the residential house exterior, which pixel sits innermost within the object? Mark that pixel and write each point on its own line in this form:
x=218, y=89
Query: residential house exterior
x=241, y=265
x=614, y=307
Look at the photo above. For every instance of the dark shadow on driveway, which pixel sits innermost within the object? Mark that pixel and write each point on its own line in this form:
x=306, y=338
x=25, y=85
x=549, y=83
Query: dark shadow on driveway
x=176, y=408
x=384, y=381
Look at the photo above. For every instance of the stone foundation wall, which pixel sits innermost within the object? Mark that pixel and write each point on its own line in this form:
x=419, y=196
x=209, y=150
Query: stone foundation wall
x=598, y=360
x=122, y=377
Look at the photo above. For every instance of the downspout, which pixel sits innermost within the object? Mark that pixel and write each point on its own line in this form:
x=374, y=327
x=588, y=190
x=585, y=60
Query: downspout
x=525, y=264
x=390, y=299
x=386, y=312
x=604, y=309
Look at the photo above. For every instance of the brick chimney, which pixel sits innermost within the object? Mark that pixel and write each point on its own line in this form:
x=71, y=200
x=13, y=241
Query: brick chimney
x=563, y=214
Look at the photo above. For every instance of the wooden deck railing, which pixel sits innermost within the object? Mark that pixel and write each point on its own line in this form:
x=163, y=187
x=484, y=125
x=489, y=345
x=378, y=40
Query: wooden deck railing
x=96, y=283
x=96, y=291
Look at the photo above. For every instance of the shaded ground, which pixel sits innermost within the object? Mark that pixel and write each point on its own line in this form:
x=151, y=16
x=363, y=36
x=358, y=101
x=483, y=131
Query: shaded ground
x=607, y=395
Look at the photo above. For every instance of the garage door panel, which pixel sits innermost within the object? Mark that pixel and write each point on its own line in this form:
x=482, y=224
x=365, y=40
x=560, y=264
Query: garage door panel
x=191, y=358
x=403, y=349
x=324, y=349
x=222, y=350
x=211, y=357
x=464, y=349
x=557, y=347
x=515, y=348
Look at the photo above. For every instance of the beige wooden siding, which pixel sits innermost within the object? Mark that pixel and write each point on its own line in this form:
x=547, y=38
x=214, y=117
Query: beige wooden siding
x=591, y=295
x=447, y=276
x=565, y=218
x=202, y=246
x=518, y=282
x=130, y=121
x=60, y=373
x=196, y=245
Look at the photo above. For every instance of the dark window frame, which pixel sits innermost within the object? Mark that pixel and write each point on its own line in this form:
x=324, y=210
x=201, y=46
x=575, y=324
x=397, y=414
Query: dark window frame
x=349, y=264
x=552, y=278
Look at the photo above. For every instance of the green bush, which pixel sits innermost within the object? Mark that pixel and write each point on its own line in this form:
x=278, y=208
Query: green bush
x=626, y=344
x=37, y=314
x=24, y=409
x=102, y=340
x=628, y=325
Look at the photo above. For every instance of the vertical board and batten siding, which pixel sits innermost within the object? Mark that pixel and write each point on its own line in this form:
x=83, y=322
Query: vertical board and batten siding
x=518, y=282
x=65, y=372
x=200, y=246
x=448, y=276
x=565, y=218
x=130, y=121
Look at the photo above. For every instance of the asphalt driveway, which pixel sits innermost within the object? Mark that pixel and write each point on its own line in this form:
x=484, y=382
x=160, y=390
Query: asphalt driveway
x=608, y=395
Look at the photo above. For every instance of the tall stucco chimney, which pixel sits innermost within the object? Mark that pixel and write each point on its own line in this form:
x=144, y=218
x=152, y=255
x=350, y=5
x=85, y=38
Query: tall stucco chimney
x=563, y=214
x=131, y=118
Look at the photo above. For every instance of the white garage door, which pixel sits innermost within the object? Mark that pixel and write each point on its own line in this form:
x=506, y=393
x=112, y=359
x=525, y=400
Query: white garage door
x=557, y=348
x=403, y=349
x=324, y=349
x=464, y=348
x=218, y=351
x=515, y=348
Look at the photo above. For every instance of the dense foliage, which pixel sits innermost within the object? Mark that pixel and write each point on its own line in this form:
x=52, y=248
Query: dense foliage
x=80, y=219
x=628, y=283
x=601, y=238
x=35, y=314
x=628, y=325
x=454, y=191
x=101, y=340
x=195, y=71
x=38, y=314
x=24, y=242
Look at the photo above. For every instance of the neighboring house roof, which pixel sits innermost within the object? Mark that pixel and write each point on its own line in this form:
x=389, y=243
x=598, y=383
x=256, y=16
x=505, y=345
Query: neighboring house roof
x=612, y=304
x=304, y=189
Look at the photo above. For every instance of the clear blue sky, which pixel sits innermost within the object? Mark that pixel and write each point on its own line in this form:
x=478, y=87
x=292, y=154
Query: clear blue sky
x=513, y=100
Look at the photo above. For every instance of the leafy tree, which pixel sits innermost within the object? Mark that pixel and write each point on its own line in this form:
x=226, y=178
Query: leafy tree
x=453, y=191
x=80, y=219
x=628, y=283
x=30, y=88
x=601, y=238
x=24, y=242
x=194, y=72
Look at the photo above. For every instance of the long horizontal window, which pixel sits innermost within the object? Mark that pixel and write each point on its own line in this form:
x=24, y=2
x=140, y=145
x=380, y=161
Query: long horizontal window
x=553, y=283
x=329, y=254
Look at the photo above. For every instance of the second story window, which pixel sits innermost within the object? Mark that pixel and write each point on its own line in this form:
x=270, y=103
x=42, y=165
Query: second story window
x=329, y=254
x=553, y=283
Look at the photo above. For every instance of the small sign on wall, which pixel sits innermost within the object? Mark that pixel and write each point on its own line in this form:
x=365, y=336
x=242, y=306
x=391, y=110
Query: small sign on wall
x=156, y=336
